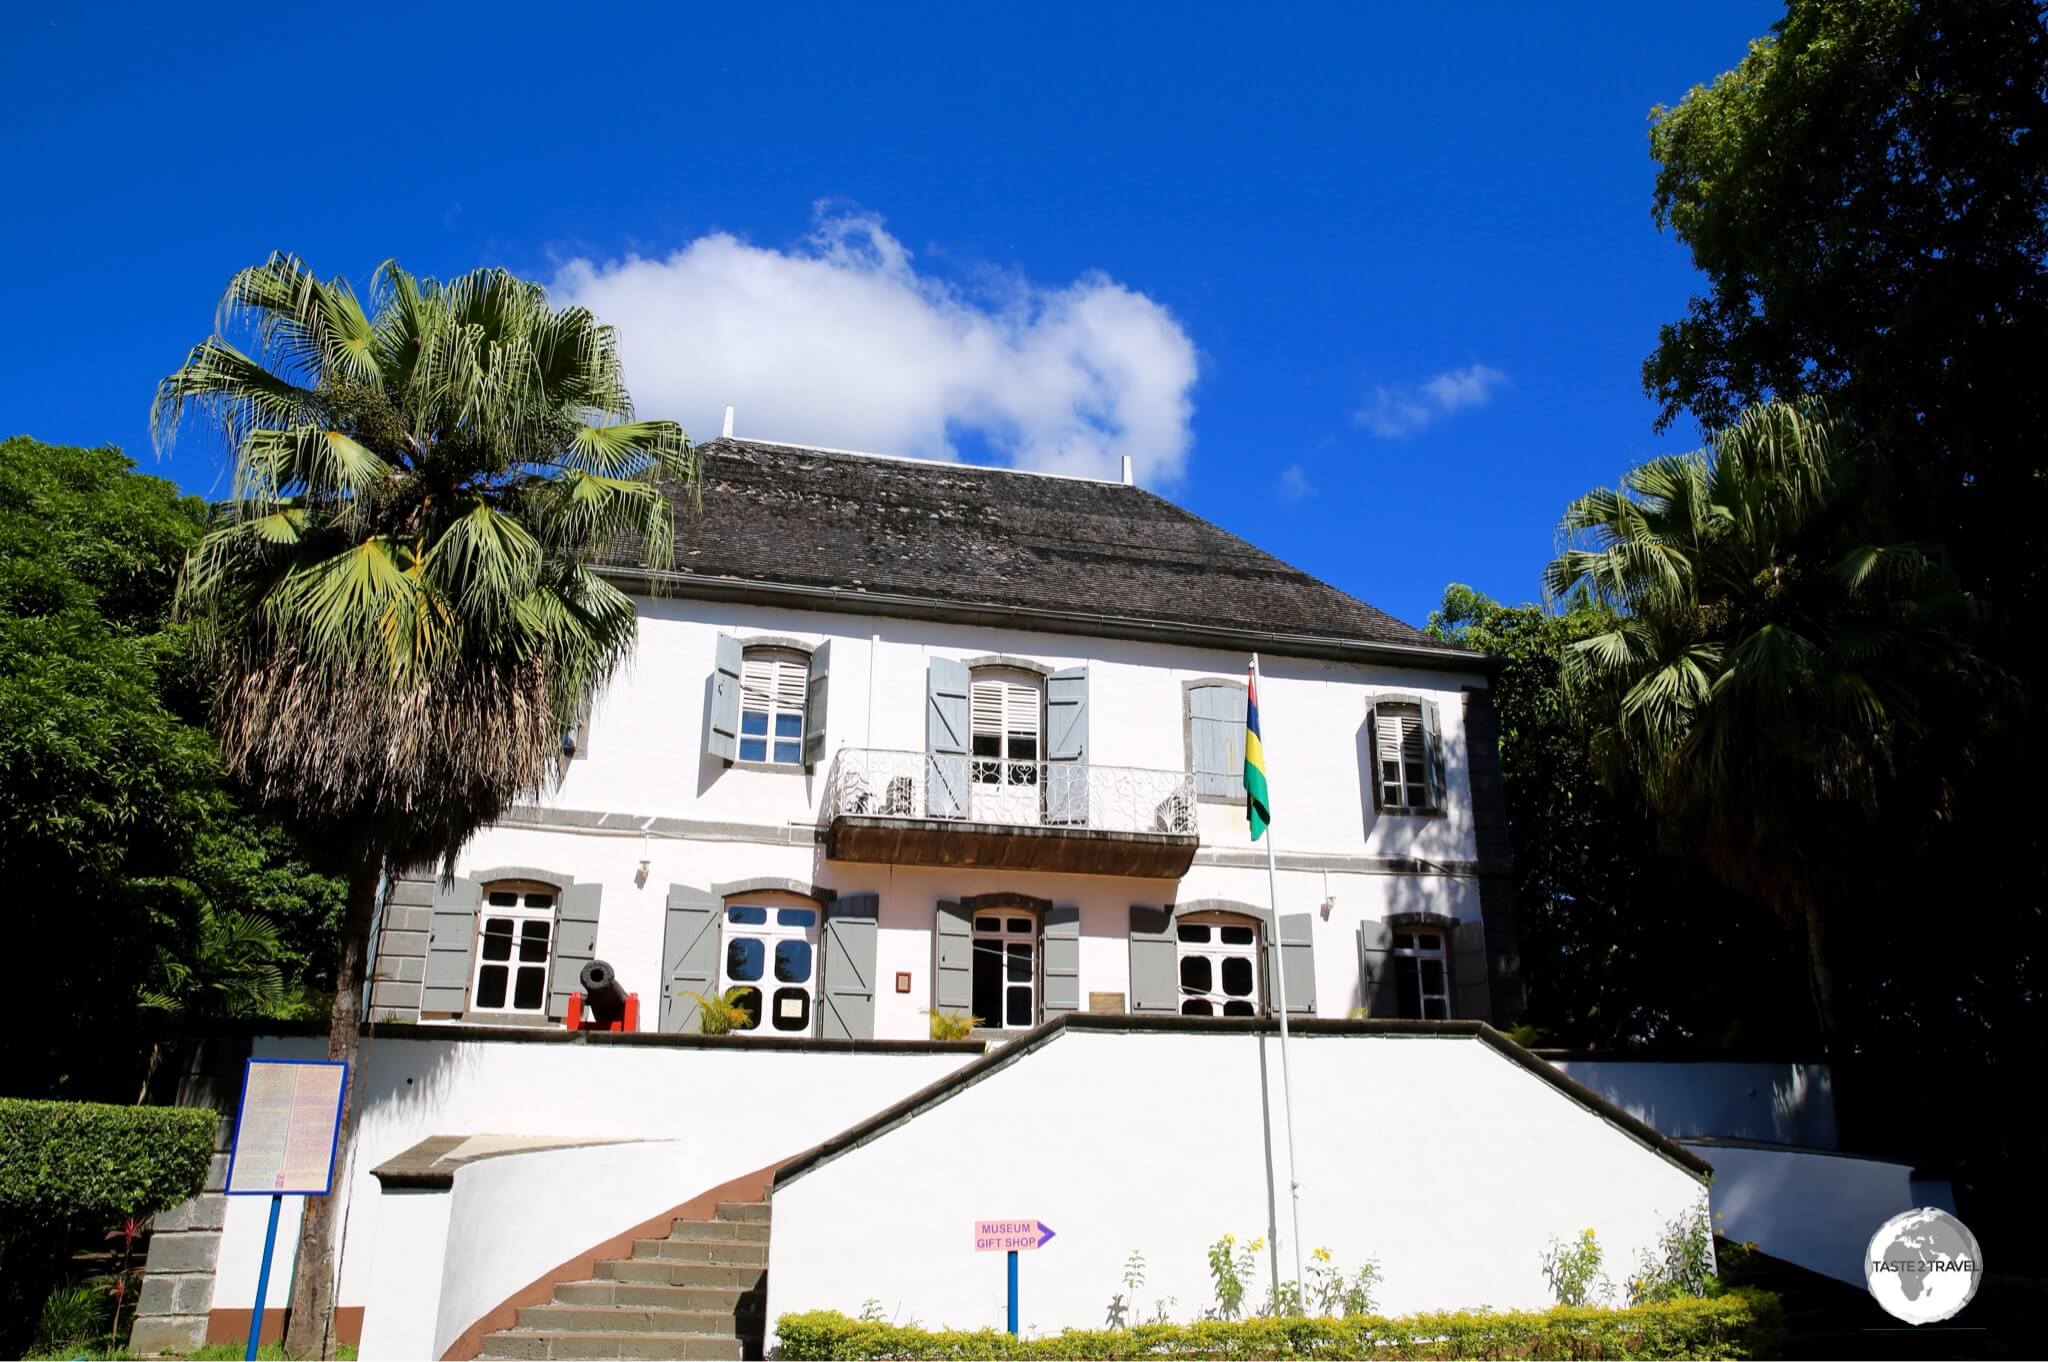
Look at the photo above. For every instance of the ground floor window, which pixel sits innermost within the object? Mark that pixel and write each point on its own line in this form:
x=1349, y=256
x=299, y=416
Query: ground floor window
x=515, y=944
x=1219, y=966
x=1006, y=969
x=771, y=957
x=1422, y=976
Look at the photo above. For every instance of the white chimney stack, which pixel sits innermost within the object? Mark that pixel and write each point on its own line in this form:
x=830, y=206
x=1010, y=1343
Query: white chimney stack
x=1127, y=458
x=727, y=432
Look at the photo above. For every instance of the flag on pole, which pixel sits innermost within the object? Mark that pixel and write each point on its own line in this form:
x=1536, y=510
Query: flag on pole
x=1256, y=806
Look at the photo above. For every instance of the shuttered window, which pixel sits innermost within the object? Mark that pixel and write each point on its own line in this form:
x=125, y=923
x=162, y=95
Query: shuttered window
x=771, y=955
x=1216, y=740
x=1402, y=756
x=1219, y=966
x=514, y=948
x=1006, y=969
x=772, y=688
x=1004, y=715
x=1422, y=977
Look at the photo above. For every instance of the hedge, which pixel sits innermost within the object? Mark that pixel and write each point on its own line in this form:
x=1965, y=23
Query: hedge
x=1743, y=1322
x=89, y=1162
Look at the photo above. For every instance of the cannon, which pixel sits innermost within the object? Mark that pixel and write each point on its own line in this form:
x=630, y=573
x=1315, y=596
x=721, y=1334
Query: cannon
x=611, y=1007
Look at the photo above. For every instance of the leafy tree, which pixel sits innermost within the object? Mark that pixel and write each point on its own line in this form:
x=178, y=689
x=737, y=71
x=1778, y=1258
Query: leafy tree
x=1764, y=666
x=399, y=604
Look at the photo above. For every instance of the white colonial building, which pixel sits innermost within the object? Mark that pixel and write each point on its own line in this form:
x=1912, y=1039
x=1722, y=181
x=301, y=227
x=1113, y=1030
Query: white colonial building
x=905, y=738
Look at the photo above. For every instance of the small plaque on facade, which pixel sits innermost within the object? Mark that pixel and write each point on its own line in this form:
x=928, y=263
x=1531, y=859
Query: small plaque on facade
x=1112, y=1003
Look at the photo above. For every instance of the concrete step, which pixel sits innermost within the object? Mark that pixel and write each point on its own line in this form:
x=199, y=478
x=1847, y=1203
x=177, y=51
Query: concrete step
x=525, y=1344
x=568, y=1317
x=748, y=1212
x=734, y=1282
x=720, y=1231
x=702, y=1251
x=745, y=1307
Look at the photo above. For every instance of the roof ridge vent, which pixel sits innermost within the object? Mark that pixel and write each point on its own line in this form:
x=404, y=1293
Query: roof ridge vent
x=1127, y=466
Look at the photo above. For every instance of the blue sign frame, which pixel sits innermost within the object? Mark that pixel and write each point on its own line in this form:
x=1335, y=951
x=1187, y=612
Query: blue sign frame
x=334, y=1140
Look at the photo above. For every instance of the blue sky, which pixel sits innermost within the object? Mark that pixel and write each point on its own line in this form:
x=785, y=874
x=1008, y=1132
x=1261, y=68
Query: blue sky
x=1368, y=285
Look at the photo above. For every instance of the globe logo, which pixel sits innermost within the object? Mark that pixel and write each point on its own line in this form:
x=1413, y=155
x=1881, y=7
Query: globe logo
x=1923, y=1266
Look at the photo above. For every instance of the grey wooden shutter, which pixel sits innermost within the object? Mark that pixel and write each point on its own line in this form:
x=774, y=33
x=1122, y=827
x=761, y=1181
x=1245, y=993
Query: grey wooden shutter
x=953, y=959
x=724, y=739
x=1372, y=754
x=1433, y=754
x=1376, y=971
x=848, y=1012
x=448, y=946
x=1292, y=949
x=1066, y=747
x=814, y=704
x=1061, y=943
x=1155, y=961
x=945, y=739
x=689, y=954
x=1216, y=740
x=1471, y=994
x=575, y=943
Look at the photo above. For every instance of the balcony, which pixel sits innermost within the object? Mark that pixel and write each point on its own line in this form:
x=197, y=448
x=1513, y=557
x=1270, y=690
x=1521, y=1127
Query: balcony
x=917, y=808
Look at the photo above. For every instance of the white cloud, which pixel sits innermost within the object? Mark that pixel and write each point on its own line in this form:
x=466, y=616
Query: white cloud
x=1294, y=484
x=840, y=341
x=1394, y=411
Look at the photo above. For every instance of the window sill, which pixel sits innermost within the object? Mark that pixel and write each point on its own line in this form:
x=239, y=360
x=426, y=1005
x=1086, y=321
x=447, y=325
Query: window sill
x=781, y=767
x=538, y=1021
x=1413, y=813
x=1234, y=801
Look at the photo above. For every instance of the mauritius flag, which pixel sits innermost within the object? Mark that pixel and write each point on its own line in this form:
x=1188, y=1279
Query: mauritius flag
x=1256, y=806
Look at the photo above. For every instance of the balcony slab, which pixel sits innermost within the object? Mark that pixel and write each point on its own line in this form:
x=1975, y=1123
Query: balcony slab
x=964, y=844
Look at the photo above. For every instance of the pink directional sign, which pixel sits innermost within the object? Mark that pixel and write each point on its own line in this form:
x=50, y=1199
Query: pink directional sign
x=1010, y=1236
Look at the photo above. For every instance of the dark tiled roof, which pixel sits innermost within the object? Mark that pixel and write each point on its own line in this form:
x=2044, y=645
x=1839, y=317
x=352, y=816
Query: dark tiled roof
x=970, y=535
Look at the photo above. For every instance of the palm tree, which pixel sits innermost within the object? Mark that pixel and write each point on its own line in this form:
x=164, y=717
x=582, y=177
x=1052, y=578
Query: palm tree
x=397, y=600
x=1766, y=661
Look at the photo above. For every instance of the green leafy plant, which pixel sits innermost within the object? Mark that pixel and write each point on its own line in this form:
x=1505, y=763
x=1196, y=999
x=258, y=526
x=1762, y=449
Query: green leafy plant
x=1573, y=1270
x=1229, y=1267
x=1742, y=1323
x=1681, y=1264
x=719, y=1014
x=952, y=1025
x=73, y=1317
x=1117, y=1314
x=92, y=1163
x=1330, y=1292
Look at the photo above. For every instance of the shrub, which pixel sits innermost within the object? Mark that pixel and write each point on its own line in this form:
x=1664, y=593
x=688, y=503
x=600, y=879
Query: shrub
x=718, y=1014
x=1573, y=1271
x=1742, y=1323
x=88, y=1163
x=952, y=1025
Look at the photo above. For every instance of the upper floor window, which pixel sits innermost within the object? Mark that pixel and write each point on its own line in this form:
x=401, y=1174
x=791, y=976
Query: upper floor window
x=1407, y=757
x=1007, y=711
x=515, y=947
x=773, y=682
x=1219, y=965
x=1422, y=975
x=1215, y=721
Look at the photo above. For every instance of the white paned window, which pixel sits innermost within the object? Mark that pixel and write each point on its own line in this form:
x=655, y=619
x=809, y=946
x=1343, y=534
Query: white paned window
x=1219, y=965
x=1006, y=969
x=771, y=956
x=772, y=684
x=1006, y=718
x=1422, y=976
x=1404, y=778
x=514, y=947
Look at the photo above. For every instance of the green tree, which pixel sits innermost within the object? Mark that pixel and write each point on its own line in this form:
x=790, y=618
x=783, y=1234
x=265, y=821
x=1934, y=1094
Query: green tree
x=399, y=603
x=1765, y=669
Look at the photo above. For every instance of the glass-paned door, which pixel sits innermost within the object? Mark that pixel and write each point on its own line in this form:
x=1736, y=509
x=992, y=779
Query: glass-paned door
x=1006, y=969
x=771, y=956
x=1219, y=966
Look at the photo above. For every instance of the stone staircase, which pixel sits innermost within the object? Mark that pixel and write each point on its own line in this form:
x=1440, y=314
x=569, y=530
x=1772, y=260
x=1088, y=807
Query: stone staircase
x=700, y=1293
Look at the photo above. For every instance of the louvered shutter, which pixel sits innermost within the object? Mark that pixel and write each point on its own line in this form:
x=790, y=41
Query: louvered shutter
x=952, y=958
x=723, y=730
x=1471, y=993
x=1292, y=949
x=1061, y=940
x=945, y=739
x=575, y=943
x=1432, y=753
x=1066, y=748
x=448, y=946
x=689, y=954
x=1372, y=757
x=815, y=706
x=849, y=992
x=1376, y=971
x=1155, y=961
x=1398, y=739
x=1216, y=740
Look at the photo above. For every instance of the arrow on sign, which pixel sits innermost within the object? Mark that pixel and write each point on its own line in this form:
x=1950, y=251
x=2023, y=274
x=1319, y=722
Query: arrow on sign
x=1045, y=1233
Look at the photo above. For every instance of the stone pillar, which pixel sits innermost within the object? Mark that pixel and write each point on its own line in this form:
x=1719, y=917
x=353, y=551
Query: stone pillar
x=177, y=1290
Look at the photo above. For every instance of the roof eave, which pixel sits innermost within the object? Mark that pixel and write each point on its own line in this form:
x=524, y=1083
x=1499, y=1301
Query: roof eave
x=894, y=605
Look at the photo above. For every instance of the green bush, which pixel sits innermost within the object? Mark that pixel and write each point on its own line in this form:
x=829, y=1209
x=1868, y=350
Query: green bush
x=1742, y=1323
x=89, y=1163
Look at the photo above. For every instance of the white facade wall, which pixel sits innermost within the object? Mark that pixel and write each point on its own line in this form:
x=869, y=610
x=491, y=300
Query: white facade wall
x=647, y=760
x=1449, y=1163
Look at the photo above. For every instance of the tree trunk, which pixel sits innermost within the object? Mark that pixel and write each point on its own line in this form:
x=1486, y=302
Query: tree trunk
x=1820, y=965
x=309, y=1329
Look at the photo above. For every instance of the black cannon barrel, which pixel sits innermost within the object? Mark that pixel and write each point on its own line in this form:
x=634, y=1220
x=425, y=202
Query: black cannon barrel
x=602, y=991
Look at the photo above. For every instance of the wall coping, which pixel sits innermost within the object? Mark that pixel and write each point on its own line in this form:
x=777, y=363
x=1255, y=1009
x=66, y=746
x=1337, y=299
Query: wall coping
x=453, y=1032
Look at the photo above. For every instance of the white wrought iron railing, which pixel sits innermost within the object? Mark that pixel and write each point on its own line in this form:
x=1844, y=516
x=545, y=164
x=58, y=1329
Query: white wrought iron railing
x=876, y=783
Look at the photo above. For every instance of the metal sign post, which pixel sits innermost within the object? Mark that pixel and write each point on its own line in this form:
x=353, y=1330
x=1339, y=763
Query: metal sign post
x=285, y=1134
x=1011, y=1237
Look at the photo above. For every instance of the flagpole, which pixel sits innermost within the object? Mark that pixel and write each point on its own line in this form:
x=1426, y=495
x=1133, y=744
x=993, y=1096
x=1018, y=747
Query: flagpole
x=1286, y=1077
